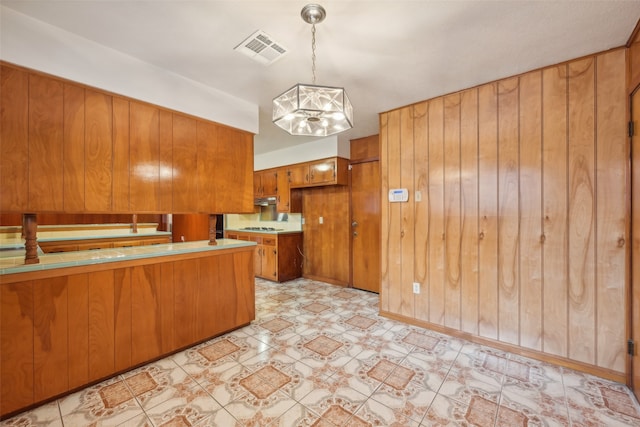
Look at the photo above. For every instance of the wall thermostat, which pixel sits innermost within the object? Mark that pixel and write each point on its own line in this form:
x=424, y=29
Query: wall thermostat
x=398, y=195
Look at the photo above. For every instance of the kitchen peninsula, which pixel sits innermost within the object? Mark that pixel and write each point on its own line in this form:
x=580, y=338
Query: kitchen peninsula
x=80, y=317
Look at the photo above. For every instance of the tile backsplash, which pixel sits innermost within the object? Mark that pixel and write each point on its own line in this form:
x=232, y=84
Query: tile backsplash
x=237, y=221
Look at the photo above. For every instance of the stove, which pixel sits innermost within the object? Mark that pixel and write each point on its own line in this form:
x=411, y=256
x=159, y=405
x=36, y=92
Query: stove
x=261, y=228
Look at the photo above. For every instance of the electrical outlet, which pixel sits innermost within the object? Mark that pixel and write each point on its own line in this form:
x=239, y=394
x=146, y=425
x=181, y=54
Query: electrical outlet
x=416, y=287
x=418, y=196
x=321, y=220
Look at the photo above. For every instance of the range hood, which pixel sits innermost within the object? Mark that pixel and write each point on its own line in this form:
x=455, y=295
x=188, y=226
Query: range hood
x=264, y=201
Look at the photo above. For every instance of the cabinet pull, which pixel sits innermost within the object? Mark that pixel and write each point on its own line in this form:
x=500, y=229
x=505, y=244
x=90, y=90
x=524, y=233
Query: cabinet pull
x=621, y=242
x=481, y=236
x=543, y=238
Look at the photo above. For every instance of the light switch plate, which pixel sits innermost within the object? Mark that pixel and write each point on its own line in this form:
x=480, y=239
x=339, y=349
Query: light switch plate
x=416, y=287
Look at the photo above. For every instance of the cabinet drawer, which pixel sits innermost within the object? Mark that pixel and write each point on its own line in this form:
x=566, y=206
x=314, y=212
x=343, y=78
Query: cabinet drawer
x=269, y=241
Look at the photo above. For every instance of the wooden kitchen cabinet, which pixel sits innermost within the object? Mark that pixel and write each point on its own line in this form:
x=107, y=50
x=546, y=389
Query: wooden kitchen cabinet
x=55, y=246
x=298, y=175
x=277, y=256
x=265, y=183
x=329, y=171
x=67, y=147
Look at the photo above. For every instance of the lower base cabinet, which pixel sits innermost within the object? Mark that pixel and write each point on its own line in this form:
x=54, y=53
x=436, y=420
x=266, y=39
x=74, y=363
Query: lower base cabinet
x=61, y=333
x=278, y=257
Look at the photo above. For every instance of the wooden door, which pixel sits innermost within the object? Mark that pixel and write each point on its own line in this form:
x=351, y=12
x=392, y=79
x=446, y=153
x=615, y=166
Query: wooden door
x=269, y=258
x=365, y=225
x=635, y=246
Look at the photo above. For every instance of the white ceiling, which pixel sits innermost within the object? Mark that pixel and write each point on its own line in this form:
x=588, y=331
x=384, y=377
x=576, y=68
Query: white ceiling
x=386, y=53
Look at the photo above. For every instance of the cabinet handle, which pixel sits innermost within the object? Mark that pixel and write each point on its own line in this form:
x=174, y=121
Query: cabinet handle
x=306, y=177
x=481, y=236
x=543, y=238
x=621, y=242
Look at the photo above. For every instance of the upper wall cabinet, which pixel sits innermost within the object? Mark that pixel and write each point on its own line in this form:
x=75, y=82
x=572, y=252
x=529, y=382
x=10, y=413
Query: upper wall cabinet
x=265, y=183
x=65, y=147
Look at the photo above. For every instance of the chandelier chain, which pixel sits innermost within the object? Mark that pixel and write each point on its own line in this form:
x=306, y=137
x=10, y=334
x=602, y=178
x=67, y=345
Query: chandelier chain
x=313, y=53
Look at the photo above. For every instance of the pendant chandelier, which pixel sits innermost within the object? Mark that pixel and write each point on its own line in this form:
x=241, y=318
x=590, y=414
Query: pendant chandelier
x=309, y=109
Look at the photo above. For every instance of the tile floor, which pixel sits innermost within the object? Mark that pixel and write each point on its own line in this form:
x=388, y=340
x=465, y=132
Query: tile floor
x=319, y=355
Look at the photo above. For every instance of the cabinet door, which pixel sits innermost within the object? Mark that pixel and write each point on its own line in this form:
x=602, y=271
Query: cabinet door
x=207, y=137
x=283, y=191
x=101, y=325
x=257, y=184
x=16, y=346
x=322, y=172
x=98, y=151
x=269, y=259
x=74, y=149
x=121, y=170
x=269, y=183
x=298, y=175
x=186, y=294
x=185, y=164
x=14, y=137
x=145, y=157
x=46, y=170
x=233, y=171
x=165, y=127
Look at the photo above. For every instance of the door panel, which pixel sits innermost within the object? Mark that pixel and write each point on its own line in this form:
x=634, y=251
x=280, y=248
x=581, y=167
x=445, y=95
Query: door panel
x=635, y=248
x=365, y=203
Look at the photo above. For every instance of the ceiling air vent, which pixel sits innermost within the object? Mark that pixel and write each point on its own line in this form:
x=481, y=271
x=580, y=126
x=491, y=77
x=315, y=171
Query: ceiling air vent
x=262, y=48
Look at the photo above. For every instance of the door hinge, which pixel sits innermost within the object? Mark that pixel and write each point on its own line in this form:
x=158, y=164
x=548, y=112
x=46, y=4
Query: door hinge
x=631, y=129
x=631, y=348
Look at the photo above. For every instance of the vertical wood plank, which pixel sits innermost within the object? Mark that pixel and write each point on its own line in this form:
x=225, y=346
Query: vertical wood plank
x=101, y=324
x=166, y=324
x=122, y=317
x=50, y=340
x=509, y=215
x=421, y=221
x=98, y=151
x=436, y=212
x=78, y=315
x=407, y=211
x=582, y=202
x=395, y=219
x=469, y=211
x=121, y=165
x=531, y=210
x=146, y=335
x=612, y=193
x=488, y=209
x=16, y=346
x=214, y=315
x=46, y=171
x=236, y=147
x=14, y=139
x=452, y=217
x=385, y=226
x=73, y=149
x=185, y=276
x=555, y=252
x=144, y=152
x=185, y=163
x=207, y=136
x=166, y=161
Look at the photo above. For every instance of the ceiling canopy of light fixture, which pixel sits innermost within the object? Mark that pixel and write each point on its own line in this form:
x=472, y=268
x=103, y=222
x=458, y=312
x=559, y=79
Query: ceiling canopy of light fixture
x=310, y=109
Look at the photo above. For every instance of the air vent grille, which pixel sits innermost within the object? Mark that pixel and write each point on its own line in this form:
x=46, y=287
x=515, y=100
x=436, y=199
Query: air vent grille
x=262, y=48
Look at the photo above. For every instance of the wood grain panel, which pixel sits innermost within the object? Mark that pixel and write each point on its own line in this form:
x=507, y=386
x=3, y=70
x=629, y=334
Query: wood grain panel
x=101, y=325
x=121, y=164
x=364, y=149
x=452, y=214
x=245, y=295
x=207, y=134
x=385, y=226
x=633, y=371
x=581, y=121
x=395, y=213
x=186, y=288
x=469, y=210
x=146, y=334
x=436, y=212
x=508, y=215
x=46, y=171
x=78, y=322
x=16, y=352
x=50, y=340
x=407, y=210
x=166, y=161
x=98, y=151
x=185, y=163
x=234, y=169
x=14, y=137
x=122, y=317
x=488, y=209
x=166, y=323
x=612, y=191
x=73, y=149
x=421, y=223
x=144, y=152
x=531, y=210
x=208, y=307
x=554, y=190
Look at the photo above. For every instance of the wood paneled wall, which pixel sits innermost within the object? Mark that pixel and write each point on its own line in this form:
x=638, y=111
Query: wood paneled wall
x=520, y=234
